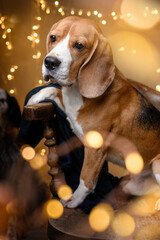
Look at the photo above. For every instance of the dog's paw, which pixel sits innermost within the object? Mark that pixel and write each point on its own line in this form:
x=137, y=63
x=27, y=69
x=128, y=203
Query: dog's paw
x=43, y=94
x=73, y=202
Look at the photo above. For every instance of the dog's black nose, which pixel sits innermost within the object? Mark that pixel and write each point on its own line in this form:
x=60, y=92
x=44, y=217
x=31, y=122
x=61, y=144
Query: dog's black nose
x=51, y=62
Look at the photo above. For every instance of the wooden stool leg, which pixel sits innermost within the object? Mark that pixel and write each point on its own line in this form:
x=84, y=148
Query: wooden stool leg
x=45, y=112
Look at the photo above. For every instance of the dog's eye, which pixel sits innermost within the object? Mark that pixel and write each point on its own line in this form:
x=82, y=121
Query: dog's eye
x=79, y=46
x=52, y=38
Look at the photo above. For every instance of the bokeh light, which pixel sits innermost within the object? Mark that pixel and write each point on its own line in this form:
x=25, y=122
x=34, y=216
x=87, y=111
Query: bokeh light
x=123, y=224
x=28, y=152
x=93, y=139
x=100, y=217
x=64, y=192
x=134, y=163
x=140, y=14
x=38, y=162
x=129, y=50
x=54, y=209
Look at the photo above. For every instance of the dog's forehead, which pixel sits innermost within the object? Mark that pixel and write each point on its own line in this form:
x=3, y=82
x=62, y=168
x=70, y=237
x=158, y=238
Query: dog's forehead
x=75, y=26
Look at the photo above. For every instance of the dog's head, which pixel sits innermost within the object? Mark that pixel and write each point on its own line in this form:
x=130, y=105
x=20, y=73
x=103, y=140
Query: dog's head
x=78, y=51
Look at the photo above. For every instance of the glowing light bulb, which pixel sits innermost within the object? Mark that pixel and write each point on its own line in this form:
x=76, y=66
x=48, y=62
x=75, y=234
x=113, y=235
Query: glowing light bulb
x=95, y=12
x=38, y=18
x=11, y=91
x=43, y=6
x=48, y=10
x=8, y=30
x=115, y=18
x=104, y=21
x=121, y=49
x=80, y=12
x=93, y=139
x=72, y=11
x=30, y=38
x=54, y=209
x=99, y=15
x=40, y=82
x=12, y=69
x=62, y=13
x=113, y=14
x=37, y=40
x=60, y=10
x=158, y=88
x=4, y=36
x=9, y=46
x=35, y=27
x=88, y=13
x=35, y=34
x=10, y=77
x=134, y=163
x=56, y=3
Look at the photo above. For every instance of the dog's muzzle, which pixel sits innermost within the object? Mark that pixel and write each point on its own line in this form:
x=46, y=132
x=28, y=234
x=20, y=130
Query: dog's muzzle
x=51, y=63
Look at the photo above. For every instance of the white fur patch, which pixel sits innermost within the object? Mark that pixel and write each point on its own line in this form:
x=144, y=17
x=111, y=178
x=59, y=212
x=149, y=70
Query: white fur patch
x=78, y=196
x=62, y=52
x=73, y=101
x=157, y=177
x=45, y=93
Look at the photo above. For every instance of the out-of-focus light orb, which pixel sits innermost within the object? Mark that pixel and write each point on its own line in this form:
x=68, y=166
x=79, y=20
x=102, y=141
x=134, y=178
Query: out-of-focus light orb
x=123, y=224
x=37, y=162
x=56, y=3
x=158, y=70
x=133, y=65
x=72, y=11
x=10, y=77
x=28, y=152
x=100, y=217
x=80, y=12
x=11, y=91
x=54, y=209
x=93, y=139
x=99, y=15
x=140, y=16
x=64, y=192
x=158, y=88
x=104, y=22
x=88, y=13
x=95, y=12
x=134, y=163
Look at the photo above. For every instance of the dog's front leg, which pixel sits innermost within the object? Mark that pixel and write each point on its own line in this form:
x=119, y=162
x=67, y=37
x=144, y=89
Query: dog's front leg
x=93, y=162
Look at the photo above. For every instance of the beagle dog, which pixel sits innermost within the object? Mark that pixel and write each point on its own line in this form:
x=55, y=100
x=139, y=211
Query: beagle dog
x=96, y=96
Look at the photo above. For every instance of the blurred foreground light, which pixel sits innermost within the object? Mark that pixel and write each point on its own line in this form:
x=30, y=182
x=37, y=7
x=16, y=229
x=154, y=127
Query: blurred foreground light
x=158, y=70
x=54, y=209
x=93, y=139
x=100, y=217
x=123, y=224
x=38, y=18
x=134, y=163
x=9, y=30
x=60, y=10
x=72, y=11
x=158, y=88
x=64, y=192
x=35, y=27
x=48, y=11
x=113, y=14
x=38, y=162
x=99, y=15
x=28, y=152
x=40, y=81
x=139, y=14
x=80, y=12
x=12, y=69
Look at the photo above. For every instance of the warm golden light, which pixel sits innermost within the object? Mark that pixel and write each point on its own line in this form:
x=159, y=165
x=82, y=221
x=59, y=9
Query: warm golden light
x=95, y=12
x=134, y=163
x=100, y=217
x=158, y=88
x=99, y=15
x=121, y=49
x=8, y=30
x=104, y=21
x=88, y=13
x=56, y=3
x=72, y=11
x=123, y=224
x=37, y=40
x=11, y=91
x=38, y=18
x=93, y=139
x=35, y=34
x=35, y=27
x=54, y=209
x=37, y=56
x=12, y=69
x=9, y=46
x=158, y=70
x=64, y=192
x=40, y=82
x=48, y=11
x=4, y=36
x=136, y=13
x=10, y=77
x=115, y=18
x=28, y=152
x=62, y=13
x=43, y=6
x=80, y=12
x=37, y=162
x=60, y=10
x=113, y=14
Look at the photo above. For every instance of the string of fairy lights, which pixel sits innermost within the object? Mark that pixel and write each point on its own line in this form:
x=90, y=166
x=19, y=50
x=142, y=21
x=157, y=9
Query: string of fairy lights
x=49, y=7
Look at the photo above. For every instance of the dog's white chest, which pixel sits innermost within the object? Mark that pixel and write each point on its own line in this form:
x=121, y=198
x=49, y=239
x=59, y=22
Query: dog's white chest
x=73, y=101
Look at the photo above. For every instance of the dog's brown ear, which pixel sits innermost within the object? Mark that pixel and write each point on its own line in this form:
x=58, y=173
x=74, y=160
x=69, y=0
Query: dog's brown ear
x=97, y=72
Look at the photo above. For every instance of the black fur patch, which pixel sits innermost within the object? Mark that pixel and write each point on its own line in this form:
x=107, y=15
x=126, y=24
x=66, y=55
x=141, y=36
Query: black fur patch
x=149, y=117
